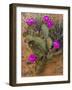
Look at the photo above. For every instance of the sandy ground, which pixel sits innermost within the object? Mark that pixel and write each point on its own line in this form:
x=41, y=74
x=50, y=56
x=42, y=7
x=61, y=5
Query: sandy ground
x=52, y=67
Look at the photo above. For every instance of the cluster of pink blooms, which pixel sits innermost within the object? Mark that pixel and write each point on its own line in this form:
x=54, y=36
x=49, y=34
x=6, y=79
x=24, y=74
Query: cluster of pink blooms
x=48, y=21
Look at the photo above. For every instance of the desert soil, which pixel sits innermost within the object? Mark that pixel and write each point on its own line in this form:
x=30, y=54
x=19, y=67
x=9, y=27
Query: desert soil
x=52, y=67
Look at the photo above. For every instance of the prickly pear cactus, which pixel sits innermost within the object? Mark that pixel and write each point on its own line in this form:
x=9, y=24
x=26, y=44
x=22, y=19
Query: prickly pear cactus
x=42, y=39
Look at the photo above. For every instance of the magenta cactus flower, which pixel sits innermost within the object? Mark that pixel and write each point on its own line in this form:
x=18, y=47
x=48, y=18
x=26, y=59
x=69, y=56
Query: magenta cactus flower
x=30, y=21
x=56, y=44
x=32, y=58
x=50, y=23
x=45, y=19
